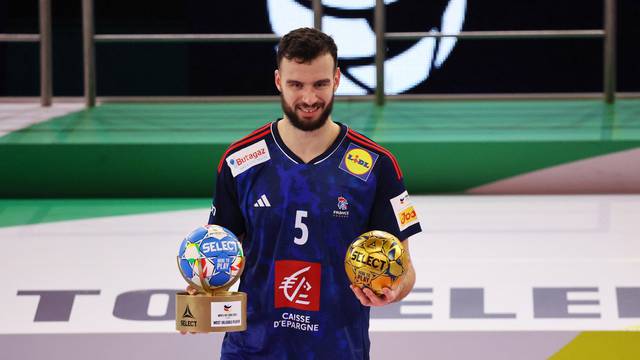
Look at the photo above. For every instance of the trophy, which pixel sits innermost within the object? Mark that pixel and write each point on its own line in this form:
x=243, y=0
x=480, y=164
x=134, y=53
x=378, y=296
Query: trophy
x=211, y=260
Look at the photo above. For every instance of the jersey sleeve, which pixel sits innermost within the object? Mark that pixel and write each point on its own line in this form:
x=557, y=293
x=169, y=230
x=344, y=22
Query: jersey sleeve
x=225, y=209
x=392, y=210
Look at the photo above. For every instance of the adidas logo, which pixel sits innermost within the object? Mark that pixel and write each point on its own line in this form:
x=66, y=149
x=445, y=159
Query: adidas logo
x=262, y=202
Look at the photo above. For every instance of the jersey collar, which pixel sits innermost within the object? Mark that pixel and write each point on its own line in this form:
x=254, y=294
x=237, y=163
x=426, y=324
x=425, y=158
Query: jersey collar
x=318, y=159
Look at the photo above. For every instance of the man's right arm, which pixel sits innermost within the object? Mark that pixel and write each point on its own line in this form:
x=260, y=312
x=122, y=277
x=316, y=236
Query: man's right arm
x=225, y=209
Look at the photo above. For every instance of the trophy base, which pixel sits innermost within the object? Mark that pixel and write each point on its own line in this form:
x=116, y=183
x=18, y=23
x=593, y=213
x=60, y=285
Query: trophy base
x=202, y=313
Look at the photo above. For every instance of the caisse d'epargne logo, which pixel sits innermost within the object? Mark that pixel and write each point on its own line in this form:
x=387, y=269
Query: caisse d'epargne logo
x=350, y=23
x=297, y=285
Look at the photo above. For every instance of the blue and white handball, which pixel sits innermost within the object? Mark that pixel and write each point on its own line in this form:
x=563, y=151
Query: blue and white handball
x=210, y=257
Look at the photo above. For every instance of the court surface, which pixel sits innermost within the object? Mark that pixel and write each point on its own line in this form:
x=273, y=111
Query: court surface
x=95, y=202
x=497, y=275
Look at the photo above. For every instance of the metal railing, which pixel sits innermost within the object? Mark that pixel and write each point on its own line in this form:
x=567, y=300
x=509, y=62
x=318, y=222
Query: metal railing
x=44, y=38
x=608, y=34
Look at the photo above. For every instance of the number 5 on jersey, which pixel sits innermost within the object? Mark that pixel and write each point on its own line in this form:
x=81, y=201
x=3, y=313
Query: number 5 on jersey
x=301, y=214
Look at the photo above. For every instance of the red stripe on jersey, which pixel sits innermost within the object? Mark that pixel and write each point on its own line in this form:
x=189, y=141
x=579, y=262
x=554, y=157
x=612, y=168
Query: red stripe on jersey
x=261, y=128
x=249, y=138
x=257, y=130
x=360, y=139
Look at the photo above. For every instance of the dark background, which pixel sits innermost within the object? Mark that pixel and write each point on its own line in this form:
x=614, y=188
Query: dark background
x=474, y=66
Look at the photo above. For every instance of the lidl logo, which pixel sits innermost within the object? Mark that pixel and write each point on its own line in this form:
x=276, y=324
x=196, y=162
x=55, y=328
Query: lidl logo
x=358, y=161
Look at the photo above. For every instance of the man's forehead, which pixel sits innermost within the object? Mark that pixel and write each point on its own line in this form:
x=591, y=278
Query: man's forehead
x=321, y=64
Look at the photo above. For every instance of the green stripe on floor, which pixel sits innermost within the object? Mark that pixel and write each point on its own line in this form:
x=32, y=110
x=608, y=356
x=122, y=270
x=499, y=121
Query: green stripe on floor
x=398, y=121
x=172, y=150
x=26, y=212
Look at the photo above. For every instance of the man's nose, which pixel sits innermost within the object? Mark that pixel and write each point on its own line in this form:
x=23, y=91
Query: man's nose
x=309, y=97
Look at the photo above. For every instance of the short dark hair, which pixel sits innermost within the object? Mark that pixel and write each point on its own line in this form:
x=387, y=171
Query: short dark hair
x=305, y=44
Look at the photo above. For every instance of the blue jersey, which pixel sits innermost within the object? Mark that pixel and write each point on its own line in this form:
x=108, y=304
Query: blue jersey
x=298, y=220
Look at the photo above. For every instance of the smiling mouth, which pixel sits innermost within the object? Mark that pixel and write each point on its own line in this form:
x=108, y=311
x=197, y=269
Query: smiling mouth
x=309, y=110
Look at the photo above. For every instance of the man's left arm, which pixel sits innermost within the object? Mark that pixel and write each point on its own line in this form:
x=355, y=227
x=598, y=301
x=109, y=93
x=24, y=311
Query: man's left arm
x=390, y=295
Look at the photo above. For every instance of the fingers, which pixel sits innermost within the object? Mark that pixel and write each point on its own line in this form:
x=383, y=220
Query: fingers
x=369, y=298
x=192, y=290
x=390, y=295
x=374, y=299
x=360, y=295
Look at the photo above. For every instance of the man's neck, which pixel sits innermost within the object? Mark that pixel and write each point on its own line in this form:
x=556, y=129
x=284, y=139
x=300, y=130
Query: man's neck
x=308, y=145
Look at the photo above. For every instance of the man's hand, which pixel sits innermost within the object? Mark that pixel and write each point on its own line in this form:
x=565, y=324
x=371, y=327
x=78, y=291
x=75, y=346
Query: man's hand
x=399, y=292
x=192, y=290
x=369, y=298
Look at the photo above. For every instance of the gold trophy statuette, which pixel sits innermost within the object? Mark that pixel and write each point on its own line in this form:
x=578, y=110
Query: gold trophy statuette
x=211, y=260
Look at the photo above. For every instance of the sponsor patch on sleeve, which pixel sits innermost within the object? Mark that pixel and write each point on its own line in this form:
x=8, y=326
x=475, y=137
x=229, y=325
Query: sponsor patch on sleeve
x=358, y=162
x=404, y=211
x=243, y=160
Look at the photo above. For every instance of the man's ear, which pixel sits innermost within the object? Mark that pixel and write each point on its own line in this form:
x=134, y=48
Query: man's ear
x=336, y=79
x=278, y=80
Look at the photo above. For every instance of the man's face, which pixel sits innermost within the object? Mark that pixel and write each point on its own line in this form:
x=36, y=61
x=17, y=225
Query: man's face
x=306, y=90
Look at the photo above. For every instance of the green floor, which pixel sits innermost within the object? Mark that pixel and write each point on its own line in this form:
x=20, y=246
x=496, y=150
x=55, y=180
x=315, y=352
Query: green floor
x=171, y=150
x=398, y=121
x=35, y=211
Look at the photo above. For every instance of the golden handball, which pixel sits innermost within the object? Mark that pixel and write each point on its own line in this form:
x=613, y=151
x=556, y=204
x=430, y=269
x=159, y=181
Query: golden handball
x=375, y=260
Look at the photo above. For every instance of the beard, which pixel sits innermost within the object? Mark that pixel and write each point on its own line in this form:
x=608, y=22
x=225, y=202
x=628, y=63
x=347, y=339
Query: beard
x=307, y=125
